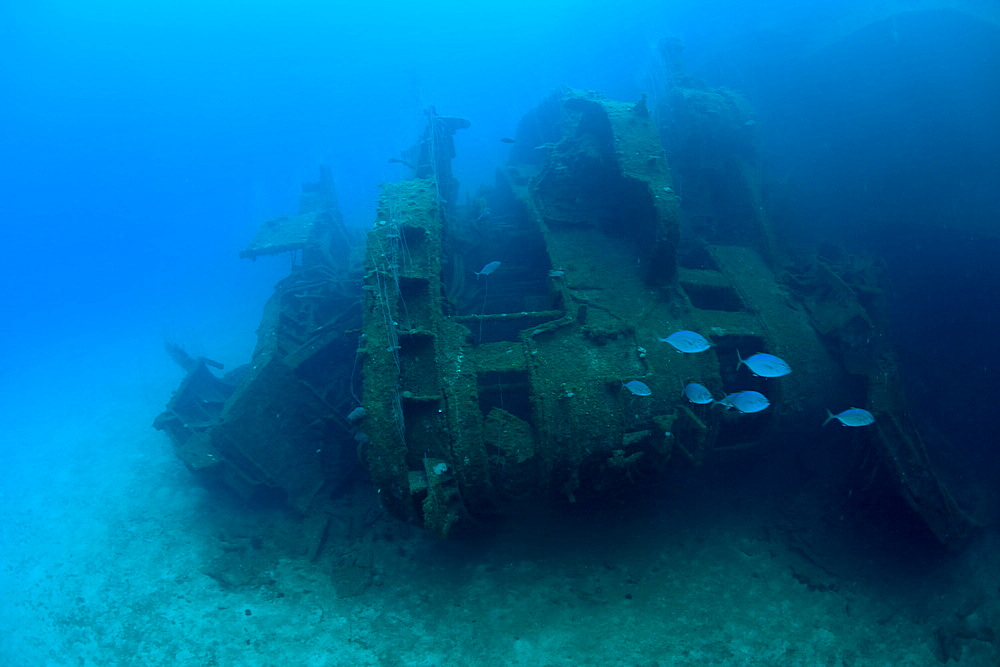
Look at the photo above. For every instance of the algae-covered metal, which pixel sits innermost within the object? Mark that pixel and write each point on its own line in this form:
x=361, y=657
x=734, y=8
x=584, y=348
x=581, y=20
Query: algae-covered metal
x=509, y=346
x=277, y=426
x=515, y=386
x=517, y=383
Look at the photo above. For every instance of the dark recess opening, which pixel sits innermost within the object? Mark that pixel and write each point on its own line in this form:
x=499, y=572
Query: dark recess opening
x=713, y=297
x=508, y=391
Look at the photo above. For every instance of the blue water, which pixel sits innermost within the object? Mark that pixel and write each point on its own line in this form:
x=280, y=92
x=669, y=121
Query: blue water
x=142, y=143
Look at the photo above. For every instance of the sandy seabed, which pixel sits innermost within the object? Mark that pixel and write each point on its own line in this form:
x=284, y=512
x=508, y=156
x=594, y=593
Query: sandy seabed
x=111, y=554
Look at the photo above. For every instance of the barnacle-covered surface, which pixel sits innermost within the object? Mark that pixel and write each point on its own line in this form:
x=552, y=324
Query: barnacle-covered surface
x=277, y=426
x=600, y=257
x=602, y=198
x=497, y=338
x=486, y=390
x=317, y=231
x=284, y=234
x=402, y=308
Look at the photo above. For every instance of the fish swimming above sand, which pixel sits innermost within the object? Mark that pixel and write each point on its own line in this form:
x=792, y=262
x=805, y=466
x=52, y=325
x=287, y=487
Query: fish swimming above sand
x=687, y=342
x=764, y=365
x=851, y=417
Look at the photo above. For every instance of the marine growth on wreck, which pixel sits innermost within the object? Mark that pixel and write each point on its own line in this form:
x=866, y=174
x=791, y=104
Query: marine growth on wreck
x=523, y=345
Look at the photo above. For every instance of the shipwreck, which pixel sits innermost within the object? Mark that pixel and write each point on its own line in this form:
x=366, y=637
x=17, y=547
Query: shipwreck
x=469, y=357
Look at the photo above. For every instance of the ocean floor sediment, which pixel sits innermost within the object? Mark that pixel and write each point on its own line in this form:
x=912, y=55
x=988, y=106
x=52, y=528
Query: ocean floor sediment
x=112, y=554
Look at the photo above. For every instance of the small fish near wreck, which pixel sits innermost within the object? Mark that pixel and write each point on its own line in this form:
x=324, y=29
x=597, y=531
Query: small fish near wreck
x=638, y=388
x=764, y=365
x=746, y=402
x=488, y=269
x=851, y=417
x=698, y=394
x=687, y=342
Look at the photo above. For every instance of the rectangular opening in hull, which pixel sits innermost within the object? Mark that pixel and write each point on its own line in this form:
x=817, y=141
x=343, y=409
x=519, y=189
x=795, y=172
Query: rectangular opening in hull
x=706, y=296
x=510, y=391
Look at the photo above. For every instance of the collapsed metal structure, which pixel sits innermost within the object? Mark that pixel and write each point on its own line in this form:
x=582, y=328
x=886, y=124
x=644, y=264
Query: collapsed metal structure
x=482, y=388
x=278, y=425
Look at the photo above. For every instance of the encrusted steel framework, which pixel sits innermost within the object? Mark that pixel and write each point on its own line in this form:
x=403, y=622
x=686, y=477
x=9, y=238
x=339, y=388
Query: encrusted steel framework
x=485, y=385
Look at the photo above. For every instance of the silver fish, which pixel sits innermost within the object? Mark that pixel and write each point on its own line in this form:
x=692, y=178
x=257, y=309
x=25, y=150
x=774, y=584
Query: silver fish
x=687, y=342
x=638, y=388
x=697, y=393
x=488, y=269
x=851, y=417
x=746, y=402
x=764, y=365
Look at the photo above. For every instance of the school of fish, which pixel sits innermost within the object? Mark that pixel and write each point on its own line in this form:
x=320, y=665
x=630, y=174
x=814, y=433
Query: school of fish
x=745, y=402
